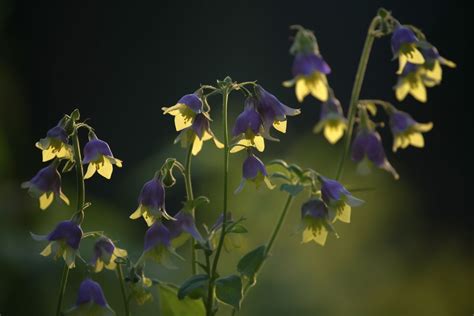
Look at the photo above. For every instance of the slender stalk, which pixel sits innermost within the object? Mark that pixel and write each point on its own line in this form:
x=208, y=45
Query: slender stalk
x=359, y=79
x=122, y=288
x=62, y=289
x=190, y=197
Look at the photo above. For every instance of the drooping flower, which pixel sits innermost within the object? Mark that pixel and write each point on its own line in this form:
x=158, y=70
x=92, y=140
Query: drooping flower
x=332, y=120
x=98, y=155
x=433, y=60
x=367, y=148
x=185, y=111
x=338, y=199
x=412, y=81
x=406, y=131
x=315, y=221
x=405, y=46
x=55, y=144
x=46, y=185
x=309, y=76
x=181, y=228
x=158, y=246
x=63, y=242
x=151, y=201
x=105, y=253
x=254, y=170
x=140, y=288
x=90, y=301
x=248, y=128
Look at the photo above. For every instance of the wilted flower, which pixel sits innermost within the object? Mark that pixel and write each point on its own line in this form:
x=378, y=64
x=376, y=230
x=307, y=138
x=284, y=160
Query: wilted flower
x=63, y=242
x=433, y=61
x=332, y=120
x=105, y=254
x=185, y=111
x=309, y=76
x=248, y=128
x=405, y=47
x=181, y=227
x=45, y=185
x=151, y=201
x=55, y=144
x=315, y=221
x=158, y=244
x=254, y=170
x=368, y=148
x=98, y=155
x=90, y=301
x=338, y=199
x=412, y=80
x=406, y=131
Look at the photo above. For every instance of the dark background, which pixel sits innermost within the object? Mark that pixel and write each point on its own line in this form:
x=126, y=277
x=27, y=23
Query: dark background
x=120, y=62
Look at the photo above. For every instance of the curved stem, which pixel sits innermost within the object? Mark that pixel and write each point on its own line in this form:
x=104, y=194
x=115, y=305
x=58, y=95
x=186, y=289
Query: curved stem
x=190, y=197
x=62, y=289
x=359, y=79
x=123, y=290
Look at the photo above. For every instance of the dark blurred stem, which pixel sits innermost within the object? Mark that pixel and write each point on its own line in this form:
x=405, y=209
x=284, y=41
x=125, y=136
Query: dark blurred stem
x=190, y=197
x=359, y=79
x=122, y=288
x=62, y=288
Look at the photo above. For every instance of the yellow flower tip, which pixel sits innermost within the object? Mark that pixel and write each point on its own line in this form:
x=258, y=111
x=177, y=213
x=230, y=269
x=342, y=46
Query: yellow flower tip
x=345, y=215
x=137, y=214
x=46, y=251
x=288, y=83
x=424, y=127
x=45, y=200
x=280, y=126
x=333, y=132
x=301, y=89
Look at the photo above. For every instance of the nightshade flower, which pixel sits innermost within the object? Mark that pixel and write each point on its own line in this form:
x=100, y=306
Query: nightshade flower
x=406, y=131
x=412, y=80
x=254, y=170
x=158, y=244
x=332, y=120
x=433, y=61
x=90, y=301
x=181, y=228
x=185, y=111
x=338, y=199
x=55, y=144
x=309, y=76
x=151, y=202
x=248, y=128
x=63, y=242
x=405, y=46
x=98, y=155
x=46, y=185
x=367, y=148
x=105, y=253
x=315, y=221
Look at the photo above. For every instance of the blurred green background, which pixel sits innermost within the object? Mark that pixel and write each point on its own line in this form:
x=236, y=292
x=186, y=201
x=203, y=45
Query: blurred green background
x=408, y=251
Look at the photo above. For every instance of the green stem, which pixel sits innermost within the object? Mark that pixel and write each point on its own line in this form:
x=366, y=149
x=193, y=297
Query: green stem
x=62, y=289
x=359, y=79
x=190, y=197
x=122, y=288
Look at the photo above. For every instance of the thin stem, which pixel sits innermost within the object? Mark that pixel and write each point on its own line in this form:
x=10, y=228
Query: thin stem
x=62, y=289
x=122, y=288
x=359, y=79
x=190, y=197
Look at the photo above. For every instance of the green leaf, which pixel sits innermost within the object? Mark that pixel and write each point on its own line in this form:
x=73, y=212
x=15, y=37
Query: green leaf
x=250, y=263
x=170, y=305
x=238, y=229
x=296, y=170
x=293, y=189
x=229, y=290
x=192, y=286
x=278, y=162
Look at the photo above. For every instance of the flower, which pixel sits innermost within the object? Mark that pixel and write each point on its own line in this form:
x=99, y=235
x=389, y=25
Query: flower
x=315, y=221
x=248, y=128
x=55, y=144
x=140, y=288
x=406, y=131
x=254, y=170
x=181, y=228
x=332, y=120
x=185, y=111
x=63, y=242
x=151, y=202
x=433, y=61
x=90, y=301
x=338, y=199
x=105, y=254
x=98, y=155
x=367, y=148
x=405, y=47
x=158, y=244
x=45, y=185
x=412, y=80
x=309, y=76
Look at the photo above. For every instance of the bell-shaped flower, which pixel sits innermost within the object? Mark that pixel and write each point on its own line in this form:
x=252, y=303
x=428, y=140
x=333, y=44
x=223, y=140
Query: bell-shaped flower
x=158, y=246
x=406, y=131
x=405, y=46
x=412, y=81
x=254, y=170
x=367, y=149
x=90, y=301
x=309, y=76
x=64, y=242
x=248, y=128
x=181, y=227
x=185, y=111
x=55, y=144
x=315, y=221
x=151, y=202
x=331, y=120
x=46, y=185
x=338, y=199
x=433, y=71
x=105, y=253
x=98, y=155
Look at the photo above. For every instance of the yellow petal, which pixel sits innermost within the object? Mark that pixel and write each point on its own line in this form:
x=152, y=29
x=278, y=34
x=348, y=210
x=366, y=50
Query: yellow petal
x=218, y=143
x=181, y=122
x=424, y=127
x=63, y=197
x=116, y=161
x=402, y=90
x=197, y=145
x=418, y=91
x=345, y=214
x=436, y=73
x=206, y=136
x=259, y=143
x=69, y=257
x=137, y=214
x=318, y=88
x=48, y=154
x=417, y=140
x=45, y=200
x=111, y=265
x=402, y=61
x=288, y=83
x=121, y=253
x=99, y=265
x=397, y=143
x=149, y=219
x=333, y=133
x=46, y=251
x=448, y=63
x=90, y=170
x=301, y=89
x=307, y=235
x=105, y=168
x=321, y=236
x=240, y=145
x=414, y=56
x=280, y=126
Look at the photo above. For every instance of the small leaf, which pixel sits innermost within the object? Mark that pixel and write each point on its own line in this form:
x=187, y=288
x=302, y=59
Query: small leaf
x=170, y=305
x=229, y=290
x=250, y=263
x=296, y=170
x=293, y=189
x=192, y=286
x=238, y=229
x=192, y=204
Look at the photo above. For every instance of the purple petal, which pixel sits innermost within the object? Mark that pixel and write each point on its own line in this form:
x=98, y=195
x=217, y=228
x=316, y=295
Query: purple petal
x=307, y=64
x=368, y=144
x=200, y=125
x=402, y=35
x=58, y=132
x=248, y=119
x=314, y=208
x=94, y=148
x=192, y=101
x=152, y=195
x=90, y=291
x=271, y=108
x=331, y=190
x=400, y=122
x=184, y=222
x=157, y=235
x=252, y=166
x=47, y=179
x=67, y=231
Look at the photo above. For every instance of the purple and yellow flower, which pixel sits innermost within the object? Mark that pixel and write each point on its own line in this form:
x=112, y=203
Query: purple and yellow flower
x=406, y=131
x=158, y=246
x=181, y=227
x=185, y=111
x=248, y=128
x=46, y=185
x=315, y=221
x=105, y=253
x=90, y=301
x=98, y=155
x=338, y=199
x=412, y=81
x=367, y=148
x=309, y=76
x=332, y=120
x=254, y=170
x=140, y=289
x=433, y=71
x=64, y=242
x=405, y=46
x=151, y=202
x=55, y=144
